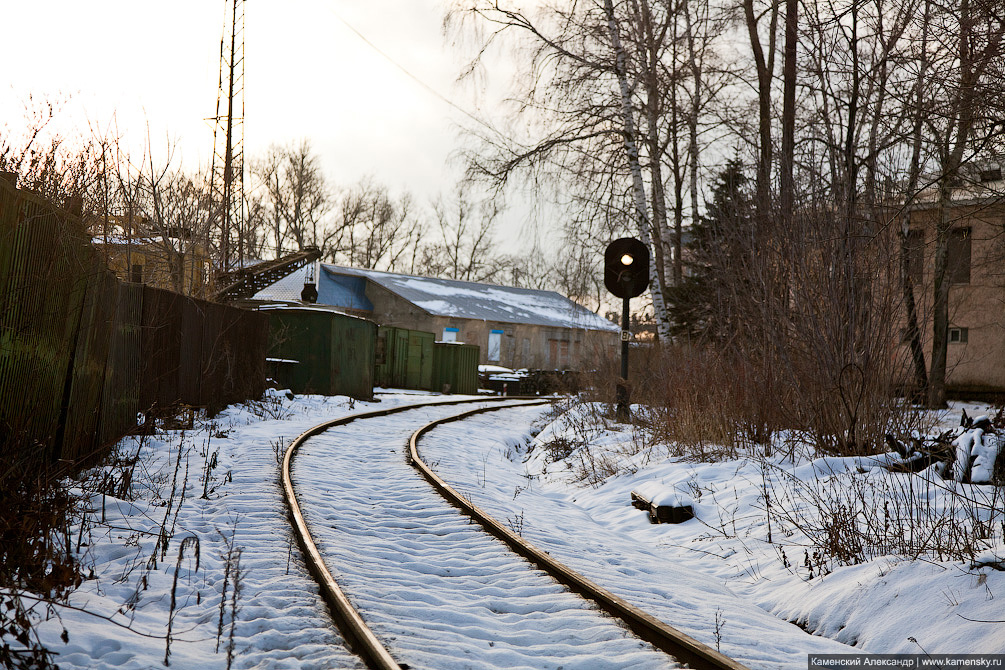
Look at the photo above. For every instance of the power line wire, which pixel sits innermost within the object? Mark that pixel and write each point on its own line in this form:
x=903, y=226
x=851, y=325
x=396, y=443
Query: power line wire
x=411, y=76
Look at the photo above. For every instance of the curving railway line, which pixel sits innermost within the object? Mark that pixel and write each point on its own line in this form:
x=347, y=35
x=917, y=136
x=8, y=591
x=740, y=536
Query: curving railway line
x=411, y=582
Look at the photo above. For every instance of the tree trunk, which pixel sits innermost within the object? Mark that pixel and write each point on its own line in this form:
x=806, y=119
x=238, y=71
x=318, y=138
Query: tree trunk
x=631, y=149
x=786, y=179
x=913, y=334
x=940, y=310
x=692, y=126
x=765, y=68
x=652, y=108
x=972, y=66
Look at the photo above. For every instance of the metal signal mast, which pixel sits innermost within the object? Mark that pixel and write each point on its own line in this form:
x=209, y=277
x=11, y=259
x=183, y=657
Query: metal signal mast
x=227, y=175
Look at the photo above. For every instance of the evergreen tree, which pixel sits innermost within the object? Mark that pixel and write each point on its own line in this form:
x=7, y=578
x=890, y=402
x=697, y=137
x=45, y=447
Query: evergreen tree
x=701, y=306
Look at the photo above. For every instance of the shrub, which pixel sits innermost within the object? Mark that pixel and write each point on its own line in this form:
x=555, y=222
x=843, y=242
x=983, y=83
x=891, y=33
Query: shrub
x=708, y=402
x=696, y=401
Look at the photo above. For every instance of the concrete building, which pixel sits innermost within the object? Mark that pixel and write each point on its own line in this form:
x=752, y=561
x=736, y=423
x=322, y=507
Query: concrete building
x=976, y=271
x=513, y=327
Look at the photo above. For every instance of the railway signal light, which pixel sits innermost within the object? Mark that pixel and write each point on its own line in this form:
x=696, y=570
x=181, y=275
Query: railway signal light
x=626, y=267
x=626, y=275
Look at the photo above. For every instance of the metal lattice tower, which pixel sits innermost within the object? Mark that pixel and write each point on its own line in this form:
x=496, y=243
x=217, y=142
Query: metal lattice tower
x=227, y=176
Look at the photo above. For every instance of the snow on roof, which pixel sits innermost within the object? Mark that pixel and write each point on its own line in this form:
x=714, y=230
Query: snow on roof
x=487, y=302
x=300, y=307
x=120, y=239
x=460, y=299
x=286, y=289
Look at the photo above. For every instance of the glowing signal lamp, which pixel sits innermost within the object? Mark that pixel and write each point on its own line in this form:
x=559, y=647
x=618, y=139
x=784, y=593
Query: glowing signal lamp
x=626, y=267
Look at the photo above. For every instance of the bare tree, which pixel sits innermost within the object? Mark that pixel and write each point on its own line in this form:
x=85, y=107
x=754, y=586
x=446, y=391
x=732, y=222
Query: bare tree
x=257, y=226
x=916, y=141
x=174, y=217
x=632, y=153
x=463, y=248
x=764, y=68
x=44, y=161
x=704, y=85
x=180, y=219
x=375, y=229
x=578, y=276
x=592, y=66
x=297, y=196
x=968, y=98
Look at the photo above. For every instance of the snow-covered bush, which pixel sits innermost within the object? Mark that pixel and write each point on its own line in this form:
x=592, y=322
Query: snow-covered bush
x=976, y=450
x=583, y=439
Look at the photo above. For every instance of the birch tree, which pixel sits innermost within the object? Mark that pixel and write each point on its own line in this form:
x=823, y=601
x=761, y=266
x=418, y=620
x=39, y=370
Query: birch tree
x=584, y=83
x=632, y=155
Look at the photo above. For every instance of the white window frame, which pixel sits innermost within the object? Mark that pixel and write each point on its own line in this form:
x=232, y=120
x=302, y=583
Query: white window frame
x=495, y=345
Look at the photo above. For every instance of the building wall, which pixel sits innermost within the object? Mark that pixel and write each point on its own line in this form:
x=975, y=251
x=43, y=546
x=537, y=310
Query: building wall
x=521, y=345
x=976, y=351
x=148, y=264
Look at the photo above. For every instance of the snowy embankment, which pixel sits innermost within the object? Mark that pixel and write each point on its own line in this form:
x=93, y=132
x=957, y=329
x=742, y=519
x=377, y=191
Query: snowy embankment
x=220, y=500
x=770, y=536
x=732, y=577
x=597, y=532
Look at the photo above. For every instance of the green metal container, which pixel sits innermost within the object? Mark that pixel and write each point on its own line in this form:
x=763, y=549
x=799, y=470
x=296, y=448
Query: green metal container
x=399, y=372
x=319, y=351
x=455, y=368
x=383, y=356
x=419, y=368
x=404, y=358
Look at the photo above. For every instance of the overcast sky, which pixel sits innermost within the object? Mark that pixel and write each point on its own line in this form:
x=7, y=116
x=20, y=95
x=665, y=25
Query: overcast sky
x=307, y=76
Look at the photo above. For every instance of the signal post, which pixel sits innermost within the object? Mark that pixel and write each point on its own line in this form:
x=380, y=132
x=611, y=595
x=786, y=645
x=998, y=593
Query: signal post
x=626, y=275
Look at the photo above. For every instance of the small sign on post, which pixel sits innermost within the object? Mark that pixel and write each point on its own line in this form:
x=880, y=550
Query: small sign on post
x=626, y=275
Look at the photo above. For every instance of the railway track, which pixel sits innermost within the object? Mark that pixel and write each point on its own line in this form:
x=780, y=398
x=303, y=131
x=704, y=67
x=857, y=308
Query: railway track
x=425, y=594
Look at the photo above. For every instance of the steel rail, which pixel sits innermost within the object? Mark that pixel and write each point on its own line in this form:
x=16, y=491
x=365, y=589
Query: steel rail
x=358, y=636
x=661, y=635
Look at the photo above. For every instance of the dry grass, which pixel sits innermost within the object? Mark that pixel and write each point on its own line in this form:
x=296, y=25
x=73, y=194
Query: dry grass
x=852, y=517
x=702, y=403
x=36, y=558
x=697, y=402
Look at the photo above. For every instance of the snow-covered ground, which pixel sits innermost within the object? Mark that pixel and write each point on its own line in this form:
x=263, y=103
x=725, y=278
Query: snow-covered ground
x=437, y=589
x=719, y=577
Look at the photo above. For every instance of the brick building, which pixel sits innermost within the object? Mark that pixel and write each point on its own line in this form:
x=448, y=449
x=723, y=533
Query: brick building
x=513, y=327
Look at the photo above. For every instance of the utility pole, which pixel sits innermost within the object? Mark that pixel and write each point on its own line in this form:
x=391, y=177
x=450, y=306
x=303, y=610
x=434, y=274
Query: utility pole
x=227, y=174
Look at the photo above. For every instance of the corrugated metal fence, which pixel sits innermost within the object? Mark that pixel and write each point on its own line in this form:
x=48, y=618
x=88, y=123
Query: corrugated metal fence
x=81, y=352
